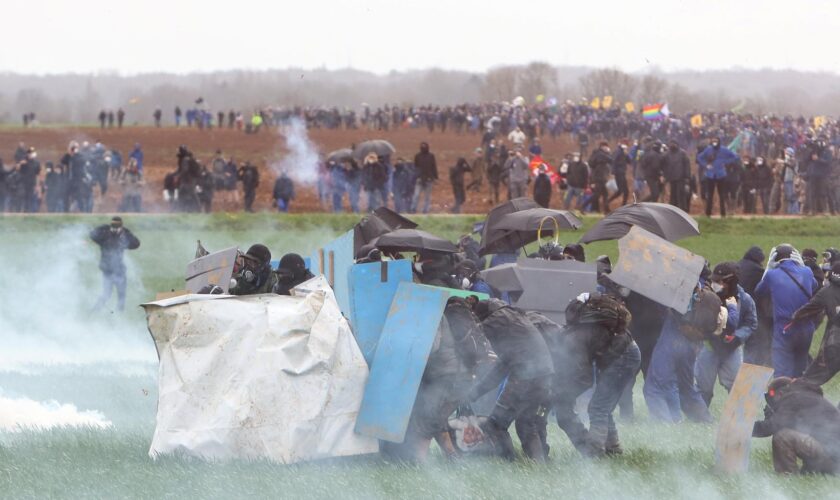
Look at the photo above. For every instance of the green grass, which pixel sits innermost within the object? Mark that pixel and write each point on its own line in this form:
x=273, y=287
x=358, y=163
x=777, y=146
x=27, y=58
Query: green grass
x=52, y=280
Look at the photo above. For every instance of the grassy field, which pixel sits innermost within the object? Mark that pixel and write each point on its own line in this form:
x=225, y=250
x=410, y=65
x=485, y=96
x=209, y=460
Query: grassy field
x=52, y=347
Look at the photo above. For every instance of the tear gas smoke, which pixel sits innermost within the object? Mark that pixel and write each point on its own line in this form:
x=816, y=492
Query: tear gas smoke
x=301, y=162
x=18, y=414
x=46, y=315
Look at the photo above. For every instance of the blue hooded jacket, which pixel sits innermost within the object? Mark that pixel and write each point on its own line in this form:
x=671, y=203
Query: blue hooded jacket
x=714, y=161
x=787, y=296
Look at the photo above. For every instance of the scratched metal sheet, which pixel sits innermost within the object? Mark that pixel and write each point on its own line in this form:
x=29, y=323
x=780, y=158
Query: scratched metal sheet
x=657, y=269
x=732, y=446
x=371, y=294
x=399, y=362
x=212, y=269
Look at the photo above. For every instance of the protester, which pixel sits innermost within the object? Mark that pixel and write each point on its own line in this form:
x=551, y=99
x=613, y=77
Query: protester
x=600, y=164
x=677, y=173
x=542, y=187
x=252, y=272
x=517, y=174
x=113, y=239
x=456, y=178
x=804, y=426
x=426, y=167
x=713, y=162
x=284, y=192
x=249, y=176
x=790, y=285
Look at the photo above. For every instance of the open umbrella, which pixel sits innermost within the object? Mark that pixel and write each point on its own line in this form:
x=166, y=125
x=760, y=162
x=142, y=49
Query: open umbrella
x=661, y=219
x=380, y=147
x=496, y=240
x=531, y=224
x=381, y=221
x=414, y=240
x=340, y=155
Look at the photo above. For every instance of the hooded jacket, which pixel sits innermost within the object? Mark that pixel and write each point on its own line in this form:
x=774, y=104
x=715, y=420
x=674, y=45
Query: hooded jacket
x=677, y=166
x=786, y=295
x=751, y=269
x=713, y=161
x=425, y=165
x=802, y=407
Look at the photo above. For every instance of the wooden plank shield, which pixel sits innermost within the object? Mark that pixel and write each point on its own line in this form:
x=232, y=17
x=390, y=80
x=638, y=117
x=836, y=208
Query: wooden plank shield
x=400, y=360
x=732, y=447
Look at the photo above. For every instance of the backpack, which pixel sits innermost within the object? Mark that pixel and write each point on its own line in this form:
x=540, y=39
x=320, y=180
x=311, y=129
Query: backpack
x=703, y=317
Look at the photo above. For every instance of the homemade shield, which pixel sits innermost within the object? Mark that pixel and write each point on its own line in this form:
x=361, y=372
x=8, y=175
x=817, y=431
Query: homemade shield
x=263, y=376
x=732, y=446
x=657, y=269
x=372, y=288
x=212, y=269
x=334, y=260
x=400, y=360
x=546, y=286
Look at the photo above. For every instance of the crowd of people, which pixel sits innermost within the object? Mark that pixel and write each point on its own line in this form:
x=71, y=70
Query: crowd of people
x=761, y=310
x=748, y=164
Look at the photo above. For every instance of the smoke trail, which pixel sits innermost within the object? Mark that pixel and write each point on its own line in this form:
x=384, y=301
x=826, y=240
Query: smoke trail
x=301, y=162
x=20, y=413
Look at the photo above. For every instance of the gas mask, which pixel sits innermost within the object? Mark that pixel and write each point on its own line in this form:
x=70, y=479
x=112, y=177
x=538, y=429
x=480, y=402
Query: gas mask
x=833, y=278
x=466, y=283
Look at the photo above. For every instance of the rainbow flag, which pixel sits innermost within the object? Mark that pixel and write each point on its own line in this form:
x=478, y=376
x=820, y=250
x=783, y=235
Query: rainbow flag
x=655, y=111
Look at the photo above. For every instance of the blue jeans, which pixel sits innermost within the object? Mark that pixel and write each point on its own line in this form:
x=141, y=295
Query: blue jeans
x=611, y=383
x=423, y=189
x=111, y=281
x=711, y=366
x=790, y=353
x=669, y=387
x=377, y=197
x=572, y=193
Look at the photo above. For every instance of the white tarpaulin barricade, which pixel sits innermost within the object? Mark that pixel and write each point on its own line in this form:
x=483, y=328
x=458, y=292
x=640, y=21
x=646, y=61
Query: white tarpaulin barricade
x=264, y=376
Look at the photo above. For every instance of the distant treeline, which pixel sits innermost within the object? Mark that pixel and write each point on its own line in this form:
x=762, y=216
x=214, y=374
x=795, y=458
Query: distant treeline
x=77, y=98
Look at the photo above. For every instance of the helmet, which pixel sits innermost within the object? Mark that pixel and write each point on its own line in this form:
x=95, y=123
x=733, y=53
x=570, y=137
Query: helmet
x=784, y=251
x=260, y=253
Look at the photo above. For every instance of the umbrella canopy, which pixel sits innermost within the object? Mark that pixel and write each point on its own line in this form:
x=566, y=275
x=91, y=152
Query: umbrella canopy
x=526, y=223
x=380, y=147
x=661, y=219
x=340, y=155
x=414, y=240
x=381, y=221
x=496, y=240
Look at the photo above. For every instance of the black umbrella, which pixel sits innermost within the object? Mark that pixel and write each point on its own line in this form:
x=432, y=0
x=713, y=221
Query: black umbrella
x=340, y=155
x=496, y=240
x=381, y=221
x=414, y=240
x=533, y=223
x=661, y=219
x=380, y=147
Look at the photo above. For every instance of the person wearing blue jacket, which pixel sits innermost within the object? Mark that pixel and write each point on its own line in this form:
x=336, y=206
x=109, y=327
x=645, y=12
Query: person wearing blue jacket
x=790, y=285
x=137, y=156
x=723, y=354
x=669, y=388
x=713, y=161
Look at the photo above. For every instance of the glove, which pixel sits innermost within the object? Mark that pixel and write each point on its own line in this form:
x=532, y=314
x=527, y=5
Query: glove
x=771, y=260
x=796, y=257
x=732, y=301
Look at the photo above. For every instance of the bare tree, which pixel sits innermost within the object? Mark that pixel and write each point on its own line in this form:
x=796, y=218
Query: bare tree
x=500, y=84
x=537, y=78
x=608, y=81
x=652, y=89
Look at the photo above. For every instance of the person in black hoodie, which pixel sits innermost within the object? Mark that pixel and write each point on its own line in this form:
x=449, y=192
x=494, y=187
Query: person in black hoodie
x=456, y=178
x=750, y=187
x=619, y=170
x=750, y=271
x=804, y=426
x=542, y=187
x=677, y=173
x=651, y=165
x=426, y=168
x=524, y=359
x=601, y=164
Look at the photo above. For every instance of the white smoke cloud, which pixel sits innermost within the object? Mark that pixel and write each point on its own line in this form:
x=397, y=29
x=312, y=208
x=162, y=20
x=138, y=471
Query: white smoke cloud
x=45, y=315
x=301, y=162
x=18, y=414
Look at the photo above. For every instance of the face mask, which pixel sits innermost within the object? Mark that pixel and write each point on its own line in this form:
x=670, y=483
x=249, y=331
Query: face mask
x=717, y=287
x=624, y=291
x=466, y=283
x=418, y=267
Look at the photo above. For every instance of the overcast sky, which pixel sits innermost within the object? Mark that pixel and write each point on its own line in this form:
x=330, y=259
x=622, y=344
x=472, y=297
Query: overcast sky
x=54, y=36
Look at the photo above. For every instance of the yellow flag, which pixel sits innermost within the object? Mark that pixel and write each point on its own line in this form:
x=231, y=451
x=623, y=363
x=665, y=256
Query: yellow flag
x=819, y=121
x=606, y=102
x=596, y=103
x=629, y=107
x=697, y=121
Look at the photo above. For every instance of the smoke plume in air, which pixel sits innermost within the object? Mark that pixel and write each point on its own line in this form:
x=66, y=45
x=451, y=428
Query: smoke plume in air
x=301, y=161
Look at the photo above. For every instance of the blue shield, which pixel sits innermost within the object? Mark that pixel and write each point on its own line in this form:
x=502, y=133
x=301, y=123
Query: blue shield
x=372, y=289
x=334, y=261
x=399, y=362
